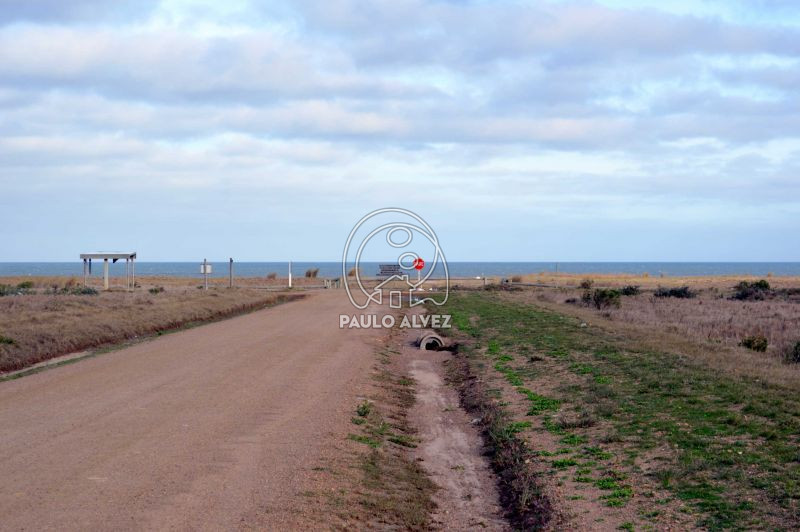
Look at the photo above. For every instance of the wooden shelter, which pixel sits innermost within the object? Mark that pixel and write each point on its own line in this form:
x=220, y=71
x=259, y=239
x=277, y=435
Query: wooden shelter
x=130, y=266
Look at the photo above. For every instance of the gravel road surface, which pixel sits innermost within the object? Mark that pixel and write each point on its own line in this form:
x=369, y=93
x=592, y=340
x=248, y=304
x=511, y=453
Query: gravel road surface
x=214, y=427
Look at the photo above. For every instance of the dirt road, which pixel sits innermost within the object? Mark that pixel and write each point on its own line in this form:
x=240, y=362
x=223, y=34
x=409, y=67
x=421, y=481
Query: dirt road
x=211, y=428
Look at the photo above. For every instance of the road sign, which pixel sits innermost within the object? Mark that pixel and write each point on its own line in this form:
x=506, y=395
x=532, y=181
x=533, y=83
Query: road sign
x=387, y=270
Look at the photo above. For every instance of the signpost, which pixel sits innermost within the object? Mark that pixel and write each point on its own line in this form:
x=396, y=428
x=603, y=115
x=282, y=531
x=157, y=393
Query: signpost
x=419, y=263
x=230, y=273
x=387, y=270
x=205, y=269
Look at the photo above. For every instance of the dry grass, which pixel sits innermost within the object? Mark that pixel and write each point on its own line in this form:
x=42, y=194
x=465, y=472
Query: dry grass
x=381, y=486
x=272, y=280
x=718, y=319
x=707, y=329
x=42, y=326
x=713, y=316
x=722, y=282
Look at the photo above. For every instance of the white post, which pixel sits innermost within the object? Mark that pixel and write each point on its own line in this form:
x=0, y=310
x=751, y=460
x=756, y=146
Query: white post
x=205, y=273
x=84, y=273
x=133, y=272
x=105, y=274
x=290, y=274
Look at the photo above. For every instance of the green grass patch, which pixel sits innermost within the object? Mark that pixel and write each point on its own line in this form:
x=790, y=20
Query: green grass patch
x=618, y=497
x=573, y=439
x=733, y=440
x=539, y=403
x=403, y=440
x=364, y=439
x=564, y=463
x=518, y=426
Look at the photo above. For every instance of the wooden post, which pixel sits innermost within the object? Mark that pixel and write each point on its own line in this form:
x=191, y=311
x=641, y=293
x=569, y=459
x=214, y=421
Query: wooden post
x=230, y=273
x=205, y=274
x=105, y=274
x=133, y=272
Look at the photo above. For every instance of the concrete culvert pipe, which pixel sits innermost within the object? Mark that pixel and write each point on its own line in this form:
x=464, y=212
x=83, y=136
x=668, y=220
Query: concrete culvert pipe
x=430, y=342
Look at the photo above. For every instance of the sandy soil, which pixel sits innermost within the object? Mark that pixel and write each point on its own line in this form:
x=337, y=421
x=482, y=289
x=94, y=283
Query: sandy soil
x=451, y=449
x=210, y=428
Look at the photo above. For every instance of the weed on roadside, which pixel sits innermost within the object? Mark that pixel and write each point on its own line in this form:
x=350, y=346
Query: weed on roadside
x=394, y=491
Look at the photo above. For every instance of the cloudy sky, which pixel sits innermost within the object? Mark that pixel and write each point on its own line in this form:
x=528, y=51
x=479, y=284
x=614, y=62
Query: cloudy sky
x=577, y=130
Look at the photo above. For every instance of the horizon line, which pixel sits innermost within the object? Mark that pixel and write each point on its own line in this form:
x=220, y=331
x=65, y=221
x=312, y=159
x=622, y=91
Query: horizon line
x=484, y=261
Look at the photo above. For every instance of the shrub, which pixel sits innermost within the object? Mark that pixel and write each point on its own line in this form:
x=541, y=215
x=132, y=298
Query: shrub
x=682, y=293
x=755, y=291
x=156, y=290
x=586, y=284
x=586, y=298
x=756, y=342
x=364, y=408
x=25, y=285
x=516, y=279
x=630, y=290
x=8, y=290
x=352, y=272
x=794, y=354
x=82, y=291
x=312, y=272
x=761, y=285
x=272, y=275
x=602, y=298
x=5, y=340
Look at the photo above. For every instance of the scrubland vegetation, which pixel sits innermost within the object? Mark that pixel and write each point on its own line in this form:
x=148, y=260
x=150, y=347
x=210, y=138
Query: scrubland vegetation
x=47, y=317
x=750, y=314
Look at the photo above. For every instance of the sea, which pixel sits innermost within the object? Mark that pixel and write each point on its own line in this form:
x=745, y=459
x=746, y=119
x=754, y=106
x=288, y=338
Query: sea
x=369, y=269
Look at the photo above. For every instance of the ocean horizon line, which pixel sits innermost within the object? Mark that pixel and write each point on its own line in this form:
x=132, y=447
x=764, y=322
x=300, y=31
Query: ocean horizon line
x=449, y=261
x=333, y=269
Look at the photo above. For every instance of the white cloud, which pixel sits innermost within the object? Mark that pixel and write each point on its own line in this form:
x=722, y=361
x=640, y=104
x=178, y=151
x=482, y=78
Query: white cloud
x=574, y=111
